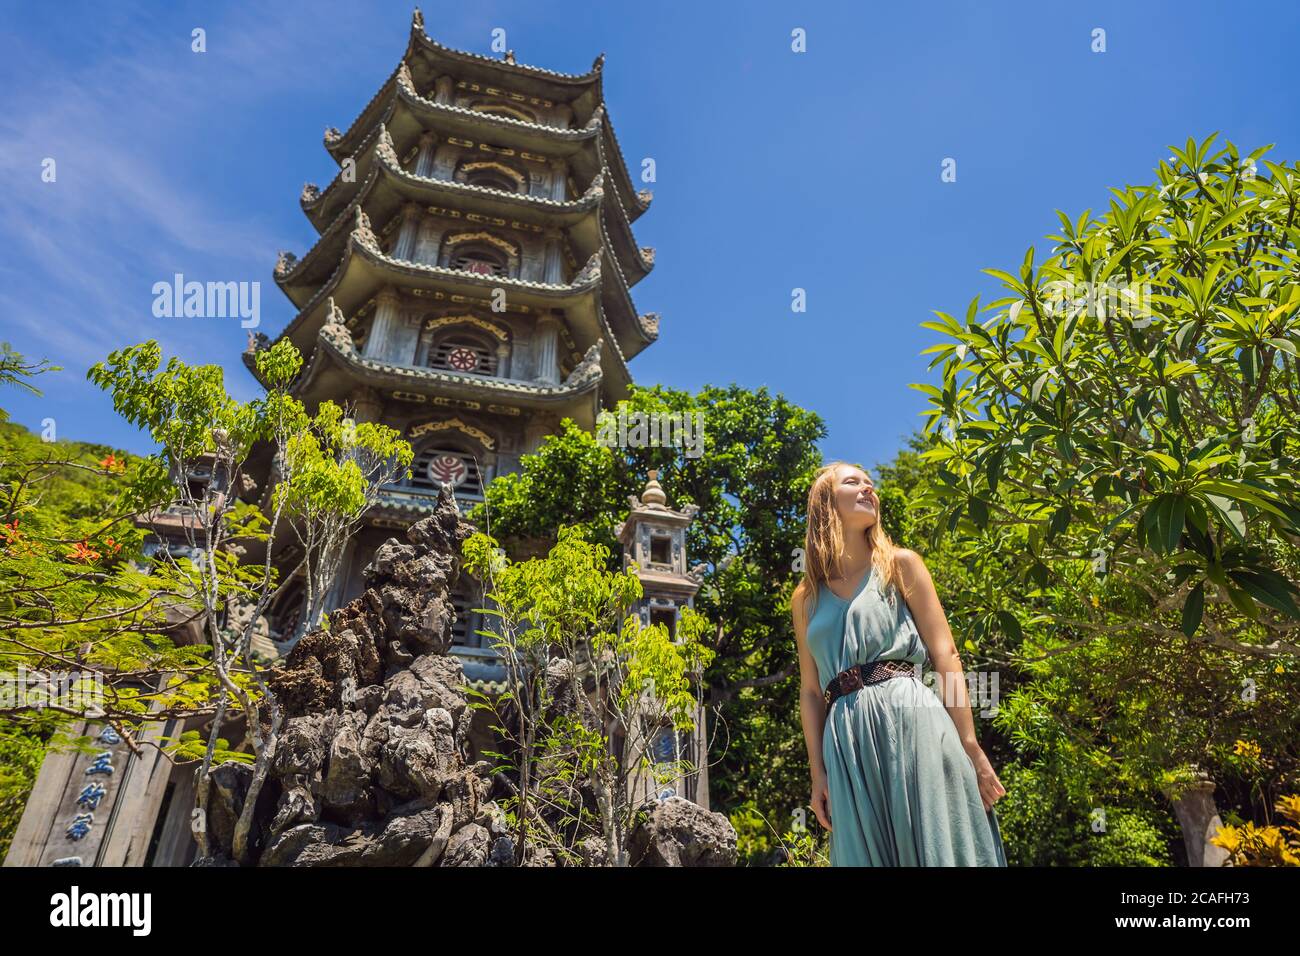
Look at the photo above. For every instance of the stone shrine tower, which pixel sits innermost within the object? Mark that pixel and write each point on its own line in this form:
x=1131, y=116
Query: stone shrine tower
x=654, y=538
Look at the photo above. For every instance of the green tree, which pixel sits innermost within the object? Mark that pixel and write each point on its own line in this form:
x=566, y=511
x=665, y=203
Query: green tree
x=1116, y=454
x=325, y=472
x=750, y=482
x=83, y=620
x=564, y=621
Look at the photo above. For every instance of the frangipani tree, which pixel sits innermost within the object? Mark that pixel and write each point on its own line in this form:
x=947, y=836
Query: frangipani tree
x=1160, y=437
x=1118, y=442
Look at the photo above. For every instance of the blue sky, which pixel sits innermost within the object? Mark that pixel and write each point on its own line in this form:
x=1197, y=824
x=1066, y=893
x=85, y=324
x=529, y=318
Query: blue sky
x=775, y=170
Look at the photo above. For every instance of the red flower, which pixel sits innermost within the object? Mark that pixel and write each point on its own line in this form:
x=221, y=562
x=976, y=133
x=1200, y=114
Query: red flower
x=80, y=552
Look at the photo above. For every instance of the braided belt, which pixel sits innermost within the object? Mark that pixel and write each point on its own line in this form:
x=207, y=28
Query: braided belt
x=861, y=675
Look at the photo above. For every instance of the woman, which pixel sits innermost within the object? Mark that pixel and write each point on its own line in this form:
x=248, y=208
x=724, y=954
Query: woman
x=907, y=783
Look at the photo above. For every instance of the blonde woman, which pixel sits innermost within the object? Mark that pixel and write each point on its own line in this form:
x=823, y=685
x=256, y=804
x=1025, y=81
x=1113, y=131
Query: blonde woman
x=898, y=776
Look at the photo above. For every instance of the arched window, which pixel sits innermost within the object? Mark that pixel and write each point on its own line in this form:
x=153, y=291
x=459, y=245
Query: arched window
x=463, y=352
x=441, y=464
x=491, y=179
x=479, y=258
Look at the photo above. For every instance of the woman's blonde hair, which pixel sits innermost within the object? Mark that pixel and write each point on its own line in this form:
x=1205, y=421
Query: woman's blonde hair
x=824, y=540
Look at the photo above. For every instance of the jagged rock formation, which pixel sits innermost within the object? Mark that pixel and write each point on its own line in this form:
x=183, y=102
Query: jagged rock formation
x=371, y=765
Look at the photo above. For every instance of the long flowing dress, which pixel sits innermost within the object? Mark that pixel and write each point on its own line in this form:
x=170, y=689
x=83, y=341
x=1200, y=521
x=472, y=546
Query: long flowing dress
x=903, y=791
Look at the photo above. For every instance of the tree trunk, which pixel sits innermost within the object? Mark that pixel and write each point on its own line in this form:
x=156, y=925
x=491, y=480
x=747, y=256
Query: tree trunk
x=1198, y=815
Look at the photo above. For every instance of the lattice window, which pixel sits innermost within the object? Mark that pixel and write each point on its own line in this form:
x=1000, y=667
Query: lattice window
x=435, y=466
x=482, y=260
x=459, y=352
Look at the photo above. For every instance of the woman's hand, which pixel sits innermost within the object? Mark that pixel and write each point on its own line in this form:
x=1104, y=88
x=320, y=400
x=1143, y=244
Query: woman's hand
x=991, y=789
x=821, y=799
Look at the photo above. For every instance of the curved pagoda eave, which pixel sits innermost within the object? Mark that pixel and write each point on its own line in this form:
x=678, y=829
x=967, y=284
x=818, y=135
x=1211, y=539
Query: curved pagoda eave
x=410, y=115
x=364, y=270
x=335, y=367
x=388, y=187
x=426, y=59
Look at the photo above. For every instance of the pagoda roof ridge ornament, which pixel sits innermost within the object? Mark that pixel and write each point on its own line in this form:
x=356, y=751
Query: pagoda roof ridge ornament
x=404, y=76
x=284, y=263
x=386, y=149
x=589, y=272
x=654, y=500
x=586, y=371
x=599, y=63
x=364, y=233
x=333, y=314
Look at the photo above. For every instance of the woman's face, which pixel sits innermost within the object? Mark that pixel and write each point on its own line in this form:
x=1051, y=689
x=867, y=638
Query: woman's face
x=855, y=498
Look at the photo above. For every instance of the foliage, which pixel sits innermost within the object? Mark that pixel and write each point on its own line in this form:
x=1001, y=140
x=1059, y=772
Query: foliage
x=1112, y=501
x=565, y=620
x=1278, y=845
x=1151, y=436
x=325, y=472
x=750, y=483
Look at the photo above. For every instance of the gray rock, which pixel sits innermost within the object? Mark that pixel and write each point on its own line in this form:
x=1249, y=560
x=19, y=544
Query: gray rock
x=679, y=832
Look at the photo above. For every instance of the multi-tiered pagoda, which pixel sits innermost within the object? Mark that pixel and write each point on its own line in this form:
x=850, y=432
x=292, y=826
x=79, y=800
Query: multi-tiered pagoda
x=471, y=283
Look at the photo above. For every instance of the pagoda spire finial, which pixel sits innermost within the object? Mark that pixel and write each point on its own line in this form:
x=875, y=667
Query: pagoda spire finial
x=654, y=492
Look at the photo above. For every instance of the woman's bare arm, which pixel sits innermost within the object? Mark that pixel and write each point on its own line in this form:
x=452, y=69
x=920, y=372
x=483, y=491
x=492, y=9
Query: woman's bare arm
x=932, y=623
x=812, y=705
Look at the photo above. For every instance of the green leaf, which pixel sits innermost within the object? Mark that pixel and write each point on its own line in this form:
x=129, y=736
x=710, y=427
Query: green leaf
x=1194, y=610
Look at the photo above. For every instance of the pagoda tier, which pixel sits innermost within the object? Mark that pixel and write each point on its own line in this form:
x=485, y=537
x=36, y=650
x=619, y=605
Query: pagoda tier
x=336, y=368
x=532, y=96
x=416, y=211
x=424, y=297
x=382, y=181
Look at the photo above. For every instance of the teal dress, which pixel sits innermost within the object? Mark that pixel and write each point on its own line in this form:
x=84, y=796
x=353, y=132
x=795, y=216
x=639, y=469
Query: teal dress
x=903, y=792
